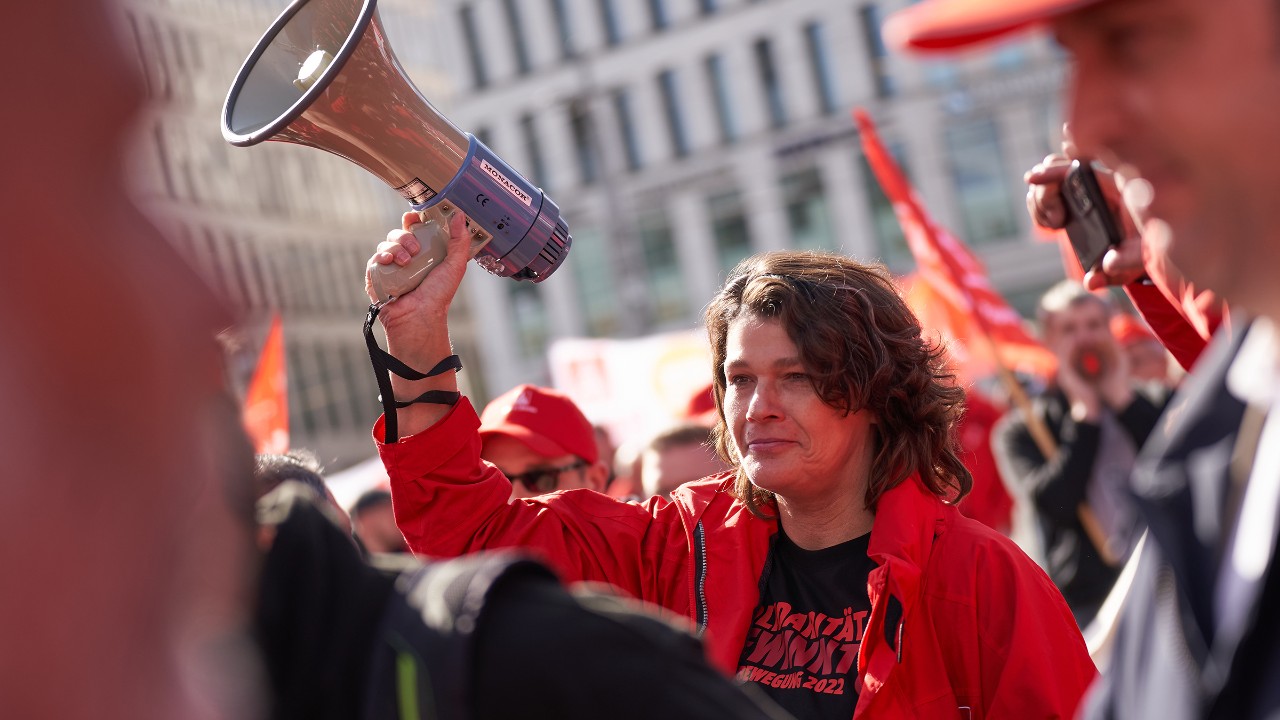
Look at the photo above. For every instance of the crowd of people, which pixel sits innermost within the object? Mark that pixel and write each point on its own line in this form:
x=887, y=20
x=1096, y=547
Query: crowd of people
x=829, y=540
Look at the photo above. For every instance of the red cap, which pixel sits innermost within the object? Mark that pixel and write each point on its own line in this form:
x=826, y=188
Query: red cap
x=1129, y=330
x=947, y=24
x=546, y=421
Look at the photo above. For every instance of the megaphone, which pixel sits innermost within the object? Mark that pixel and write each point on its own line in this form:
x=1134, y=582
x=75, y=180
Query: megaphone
x=324, y=76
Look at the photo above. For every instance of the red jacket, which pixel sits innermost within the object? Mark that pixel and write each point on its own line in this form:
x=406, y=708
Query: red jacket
x=960, y=616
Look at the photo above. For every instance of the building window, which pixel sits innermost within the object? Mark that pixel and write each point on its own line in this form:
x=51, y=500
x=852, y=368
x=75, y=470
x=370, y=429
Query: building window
x=729, y=228
x=479, y=75
x=820, y=64
x=593, y=271
x=299, y=388
x=609, y=19
x=564, y=27
x=533, y=150
x=890, y=242
x=807, y=215
x=323, y=392
x=707, y=7
x=484, y=135
x=514, y=26
x=529, y=315
x=718, y=78
x=362, y=401
x=627, y=128
x=671, y=107
x=768, y=72
x=1010, y=56
x=583, y=143
x=658, y=14
x=981, y=186
x=877, y=55
x=667, y=294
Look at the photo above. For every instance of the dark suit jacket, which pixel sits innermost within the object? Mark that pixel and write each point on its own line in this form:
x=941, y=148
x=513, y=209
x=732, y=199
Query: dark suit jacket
x=1167, y=661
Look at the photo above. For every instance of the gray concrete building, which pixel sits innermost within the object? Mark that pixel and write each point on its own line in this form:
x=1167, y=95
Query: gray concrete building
x=272, y=228
x=677, y=136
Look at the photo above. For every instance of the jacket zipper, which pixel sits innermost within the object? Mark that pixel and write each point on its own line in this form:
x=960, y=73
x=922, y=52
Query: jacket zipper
x=700, y=579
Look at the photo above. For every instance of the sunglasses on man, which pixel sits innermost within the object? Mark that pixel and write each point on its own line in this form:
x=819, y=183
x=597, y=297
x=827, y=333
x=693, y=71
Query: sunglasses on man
x=547, y=479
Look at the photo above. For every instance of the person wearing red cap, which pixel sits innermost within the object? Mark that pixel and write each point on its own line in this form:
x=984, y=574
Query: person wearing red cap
x=1182, y=98
x=1148, y=360
x=830, y=568
x=542, y=442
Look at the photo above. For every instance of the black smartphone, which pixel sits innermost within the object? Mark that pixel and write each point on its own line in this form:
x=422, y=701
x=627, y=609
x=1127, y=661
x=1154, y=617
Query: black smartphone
x=1091, y=226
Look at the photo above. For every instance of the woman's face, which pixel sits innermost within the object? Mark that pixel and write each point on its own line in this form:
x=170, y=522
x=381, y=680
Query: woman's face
x=790, y=442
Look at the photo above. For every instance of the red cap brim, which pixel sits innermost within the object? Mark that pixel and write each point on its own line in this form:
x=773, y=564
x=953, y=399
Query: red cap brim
x=950, y=24
x=540, y=444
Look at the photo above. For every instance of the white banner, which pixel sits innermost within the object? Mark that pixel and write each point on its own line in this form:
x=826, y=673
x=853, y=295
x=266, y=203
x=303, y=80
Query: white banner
x=635, y=388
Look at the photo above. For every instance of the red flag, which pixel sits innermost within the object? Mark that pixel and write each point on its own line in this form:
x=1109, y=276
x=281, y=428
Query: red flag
x=951, y=292
x=266, y=404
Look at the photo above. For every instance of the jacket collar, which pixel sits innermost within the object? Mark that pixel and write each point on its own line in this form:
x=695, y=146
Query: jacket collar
x=1180, y=482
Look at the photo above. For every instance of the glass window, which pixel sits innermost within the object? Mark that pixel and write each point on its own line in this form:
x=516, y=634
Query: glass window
x=707, y=7
x=658, y=14
x=323, y=390
x=667, y=297
x=515, y=27
x=671, y=106
x=981, y=183
x=768, y=73
x=479, y=74
x=564, y=27
x=877, y=55
x=583, y=144
x=729, y=228
x=299, y=389
x=719, y=81
x=529, y=315
x=593, y=271
x=1010, y=56
x=820, y=64
x=362, y=401
x=609, y=18
x=890, y=242
x=627, y=128
x=807, y=215
x=533, y=150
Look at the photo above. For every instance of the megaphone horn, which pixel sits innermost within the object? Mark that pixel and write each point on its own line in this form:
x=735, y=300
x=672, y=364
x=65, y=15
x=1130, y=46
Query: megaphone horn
x=323, y=75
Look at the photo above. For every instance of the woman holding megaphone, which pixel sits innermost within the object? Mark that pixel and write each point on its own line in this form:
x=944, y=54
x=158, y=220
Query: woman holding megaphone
x=829, y=568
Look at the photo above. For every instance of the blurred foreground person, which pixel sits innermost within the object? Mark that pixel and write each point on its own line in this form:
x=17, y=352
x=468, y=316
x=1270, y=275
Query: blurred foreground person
x=127, y=540
x=1182, y=98
x=1097, y=422
x=343, y=640
x=829, y=569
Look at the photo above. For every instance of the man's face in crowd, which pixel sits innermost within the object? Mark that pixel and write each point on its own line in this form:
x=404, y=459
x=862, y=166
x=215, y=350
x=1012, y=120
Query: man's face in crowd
x=667, y=469
x=1187, y=92
x=377, y=529
x=1079, y=331
x=517, y=460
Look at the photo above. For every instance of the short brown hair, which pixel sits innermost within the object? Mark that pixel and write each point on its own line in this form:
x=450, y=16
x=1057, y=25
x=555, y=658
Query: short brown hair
x=864, y=349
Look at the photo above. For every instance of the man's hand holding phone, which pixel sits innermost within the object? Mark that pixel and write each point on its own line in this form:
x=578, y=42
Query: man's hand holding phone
x=1121, y=253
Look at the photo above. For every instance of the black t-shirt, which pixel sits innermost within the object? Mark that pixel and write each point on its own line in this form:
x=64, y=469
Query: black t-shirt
x=802, y=648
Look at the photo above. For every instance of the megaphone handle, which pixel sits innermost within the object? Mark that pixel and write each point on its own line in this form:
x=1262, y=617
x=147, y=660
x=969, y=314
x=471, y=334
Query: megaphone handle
x=391, y=280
